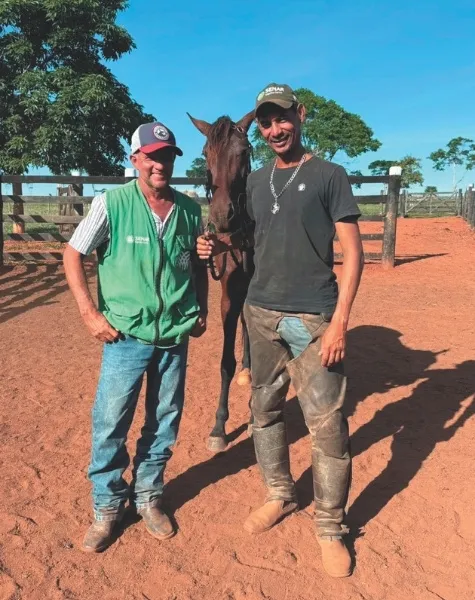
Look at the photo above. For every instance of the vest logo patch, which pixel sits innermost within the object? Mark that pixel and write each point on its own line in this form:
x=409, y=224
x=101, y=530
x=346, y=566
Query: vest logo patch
x=183, y=260
x=301, y=187
x=137, y=239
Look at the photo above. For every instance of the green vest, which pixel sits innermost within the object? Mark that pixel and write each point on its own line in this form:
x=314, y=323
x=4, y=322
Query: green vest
x=145, y=283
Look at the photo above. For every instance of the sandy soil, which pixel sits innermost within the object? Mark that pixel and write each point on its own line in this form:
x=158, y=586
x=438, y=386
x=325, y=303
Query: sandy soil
x=410, y=401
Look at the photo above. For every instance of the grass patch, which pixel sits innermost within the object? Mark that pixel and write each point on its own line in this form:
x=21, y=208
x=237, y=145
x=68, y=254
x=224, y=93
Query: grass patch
x=44, y=210
x=371, y=210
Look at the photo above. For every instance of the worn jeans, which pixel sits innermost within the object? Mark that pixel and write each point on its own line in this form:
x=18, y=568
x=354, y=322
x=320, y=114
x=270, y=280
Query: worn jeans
x=124, y=364
x=284, y=348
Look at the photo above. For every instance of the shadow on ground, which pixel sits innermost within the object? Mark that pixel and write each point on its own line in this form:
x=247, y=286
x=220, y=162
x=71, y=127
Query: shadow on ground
x=378, y=361
x=23, y=288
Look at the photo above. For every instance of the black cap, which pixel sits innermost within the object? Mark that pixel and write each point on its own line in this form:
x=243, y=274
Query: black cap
x=276, y=93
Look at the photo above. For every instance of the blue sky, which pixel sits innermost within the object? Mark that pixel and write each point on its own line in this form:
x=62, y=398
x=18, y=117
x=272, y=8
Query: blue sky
x=407, y=68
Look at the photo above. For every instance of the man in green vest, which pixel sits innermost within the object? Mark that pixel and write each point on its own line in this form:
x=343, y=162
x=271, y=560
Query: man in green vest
x=152, y=295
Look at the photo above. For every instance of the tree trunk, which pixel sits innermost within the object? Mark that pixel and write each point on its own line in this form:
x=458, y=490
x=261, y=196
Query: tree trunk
x=18, y=208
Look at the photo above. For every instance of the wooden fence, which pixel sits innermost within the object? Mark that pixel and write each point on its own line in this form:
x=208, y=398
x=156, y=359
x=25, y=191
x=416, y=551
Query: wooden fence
x=71, y=211
x=430, y=204
x=467, y=206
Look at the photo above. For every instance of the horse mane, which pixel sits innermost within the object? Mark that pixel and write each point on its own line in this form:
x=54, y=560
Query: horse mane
x=219, y=135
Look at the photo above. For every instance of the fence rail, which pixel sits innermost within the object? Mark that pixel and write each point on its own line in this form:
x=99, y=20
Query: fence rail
x=47, y=199
x=71, y=208
x=90, y=179
x=54, y=219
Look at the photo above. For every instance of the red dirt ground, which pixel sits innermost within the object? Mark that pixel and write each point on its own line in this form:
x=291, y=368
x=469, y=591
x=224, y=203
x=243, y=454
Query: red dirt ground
x=410, y=402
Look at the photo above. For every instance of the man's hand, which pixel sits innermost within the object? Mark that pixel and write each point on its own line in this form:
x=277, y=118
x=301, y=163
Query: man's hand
x=333, y=345
x=100, y=327
x=199, y=328
x=209, y=245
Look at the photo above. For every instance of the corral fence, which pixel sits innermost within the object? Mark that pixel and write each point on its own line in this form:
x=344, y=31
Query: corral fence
x=467, y=206
x=439, y=204
x=70, y=207
x=429, y=204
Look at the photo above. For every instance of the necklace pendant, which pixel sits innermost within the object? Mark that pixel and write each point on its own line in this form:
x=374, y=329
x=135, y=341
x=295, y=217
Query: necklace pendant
x=275, y=208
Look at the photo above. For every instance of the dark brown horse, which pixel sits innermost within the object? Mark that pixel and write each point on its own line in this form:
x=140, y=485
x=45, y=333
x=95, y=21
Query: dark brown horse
x=228, y=158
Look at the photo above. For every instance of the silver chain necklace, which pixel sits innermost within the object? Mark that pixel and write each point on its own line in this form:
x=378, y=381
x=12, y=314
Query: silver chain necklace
x=276, y=206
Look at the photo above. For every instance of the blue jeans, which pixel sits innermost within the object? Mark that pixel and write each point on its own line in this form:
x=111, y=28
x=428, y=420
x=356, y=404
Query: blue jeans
x=295, y=334
x=123, y=367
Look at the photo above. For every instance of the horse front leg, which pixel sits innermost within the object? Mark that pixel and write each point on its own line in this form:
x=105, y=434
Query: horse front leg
x=244, y=377
x=217, y=440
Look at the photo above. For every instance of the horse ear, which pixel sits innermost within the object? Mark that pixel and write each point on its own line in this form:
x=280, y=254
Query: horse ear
x=202, y=126
x=246, y=121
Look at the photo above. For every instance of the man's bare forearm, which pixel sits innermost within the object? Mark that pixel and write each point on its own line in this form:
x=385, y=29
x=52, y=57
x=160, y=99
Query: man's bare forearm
x=353, y=263
x=77, y=281
x=95, y=321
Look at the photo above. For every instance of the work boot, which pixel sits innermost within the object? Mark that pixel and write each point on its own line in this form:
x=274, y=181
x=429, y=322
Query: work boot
x=157, y=523
x=272, y=453
x=268, y=515
x=335, y=556
x=99, y=536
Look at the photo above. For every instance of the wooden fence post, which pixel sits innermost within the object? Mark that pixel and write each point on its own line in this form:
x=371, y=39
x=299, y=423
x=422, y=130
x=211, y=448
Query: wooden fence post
x=77, y=189
x=471, y=207
x=18, y=209
x=1, y=223
x=459, y=202
x=402, y=210
x=467, y=201
x=62, y=207
x=390, y=219
x=68, y=208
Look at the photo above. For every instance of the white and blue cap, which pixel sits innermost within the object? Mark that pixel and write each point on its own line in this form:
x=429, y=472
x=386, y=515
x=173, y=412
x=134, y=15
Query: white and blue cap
x=150, y=137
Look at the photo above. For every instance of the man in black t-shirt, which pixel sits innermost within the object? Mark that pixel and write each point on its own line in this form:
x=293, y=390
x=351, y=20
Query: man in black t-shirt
x=297, y=318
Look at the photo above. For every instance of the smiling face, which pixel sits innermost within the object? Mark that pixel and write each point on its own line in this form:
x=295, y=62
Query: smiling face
x=281, y=127
x=155, y=168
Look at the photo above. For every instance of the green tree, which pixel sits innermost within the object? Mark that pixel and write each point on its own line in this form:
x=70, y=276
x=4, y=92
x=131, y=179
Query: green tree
x=60, y=106
x=197, y=169
x=411, y=170
x=328, y=129
x=459, y=152
x=430, y=189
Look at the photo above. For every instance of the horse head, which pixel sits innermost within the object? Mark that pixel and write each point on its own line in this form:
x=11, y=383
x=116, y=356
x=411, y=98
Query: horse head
x=228, y=159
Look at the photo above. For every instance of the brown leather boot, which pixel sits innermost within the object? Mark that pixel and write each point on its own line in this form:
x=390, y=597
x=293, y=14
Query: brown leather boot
x=335, y=556
x=268, y=515
x=157, y=523
x=99, y=536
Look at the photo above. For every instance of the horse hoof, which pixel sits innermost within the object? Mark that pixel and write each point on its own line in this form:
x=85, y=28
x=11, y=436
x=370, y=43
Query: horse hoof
x=244, y=377
x=249, y=430
x=216, y=444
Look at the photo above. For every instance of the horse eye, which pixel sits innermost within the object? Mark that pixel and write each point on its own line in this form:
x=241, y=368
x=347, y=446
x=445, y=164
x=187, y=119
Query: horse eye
x=240, y=129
